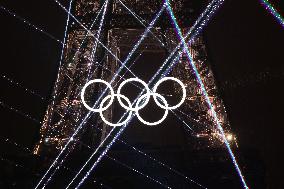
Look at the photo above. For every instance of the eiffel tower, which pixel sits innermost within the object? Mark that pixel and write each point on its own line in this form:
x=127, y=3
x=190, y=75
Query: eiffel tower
x=118, y=26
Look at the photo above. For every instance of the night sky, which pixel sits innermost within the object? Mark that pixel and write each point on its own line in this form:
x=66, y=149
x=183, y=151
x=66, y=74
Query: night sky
x=245, y=47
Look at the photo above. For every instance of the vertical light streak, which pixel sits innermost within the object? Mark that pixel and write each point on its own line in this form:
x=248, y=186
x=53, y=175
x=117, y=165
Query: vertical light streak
x=185, y=45
x=268, y=6
x=60, y=62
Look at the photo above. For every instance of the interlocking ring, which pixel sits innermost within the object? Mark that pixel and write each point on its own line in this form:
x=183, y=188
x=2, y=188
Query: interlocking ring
x=97, y=81
x=183, y=92
x=156, y=122
x=136, y=107
x=143, y=99
x=116, y=124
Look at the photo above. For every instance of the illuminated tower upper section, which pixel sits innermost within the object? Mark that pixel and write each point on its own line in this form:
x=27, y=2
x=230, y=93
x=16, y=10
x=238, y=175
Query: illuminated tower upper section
x=84, y=59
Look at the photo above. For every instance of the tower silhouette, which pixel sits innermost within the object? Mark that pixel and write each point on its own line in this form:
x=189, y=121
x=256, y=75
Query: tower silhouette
x=116, y=26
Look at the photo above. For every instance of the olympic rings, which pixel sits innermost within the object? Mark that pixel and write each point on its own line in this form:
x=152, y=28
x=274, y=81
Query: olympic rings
x=129, y=107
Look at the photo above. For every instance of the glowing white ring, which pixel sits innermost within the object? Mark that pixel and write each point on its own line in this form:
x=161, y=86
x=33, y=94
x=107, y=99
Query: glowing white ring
x=115, y=124
x=183, y=91
x=97, y=81
x=129, y=108
x=156, y=122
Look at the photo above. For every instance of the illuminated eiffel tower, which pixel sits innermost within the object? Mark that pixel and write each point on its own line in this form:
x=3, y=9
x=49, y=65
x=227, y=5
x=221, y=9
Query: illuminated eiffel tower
x=118, y=26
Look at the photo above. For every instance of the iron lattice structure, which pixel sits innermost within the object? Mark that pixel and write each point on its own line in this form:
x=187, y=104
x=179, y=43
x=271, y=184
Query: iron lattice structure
x=120, y=32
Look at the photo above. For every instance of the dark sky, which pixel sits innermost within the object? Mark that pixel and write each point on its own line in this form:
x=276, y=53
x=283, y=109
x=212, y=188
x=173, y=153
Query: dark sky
x=245, y=46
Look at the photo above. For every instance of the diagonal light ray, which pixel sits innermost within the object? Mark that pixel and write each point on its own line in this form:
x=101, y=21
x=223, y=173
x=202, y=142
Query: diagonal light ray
x=17, y=84
x=30, y=24
x=205, y=94
x=133, y=169
x=182, y=121
x=19, y=112
x=139, y=172
x=268, y=6
x=140, y=21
